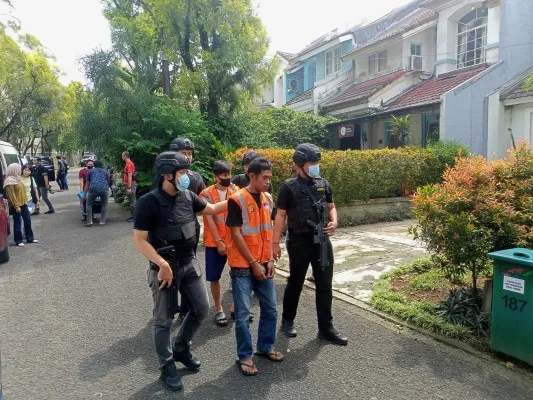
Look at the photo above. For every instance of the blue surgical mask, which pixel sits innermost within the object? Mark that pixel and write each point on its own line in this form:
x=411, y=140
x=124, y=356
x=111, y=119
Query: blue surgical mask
x=314, y=171
x=183, y=183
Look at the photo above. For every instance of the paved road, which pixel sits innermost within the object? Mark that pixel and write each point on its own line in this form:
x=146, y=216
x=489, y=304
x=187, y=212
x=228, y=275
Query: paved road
x=75, y=324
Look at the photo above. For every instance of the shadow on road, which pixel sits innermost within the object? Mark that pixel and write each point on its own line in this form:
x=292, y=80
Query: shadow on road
x=122, y=352
x=232, y=385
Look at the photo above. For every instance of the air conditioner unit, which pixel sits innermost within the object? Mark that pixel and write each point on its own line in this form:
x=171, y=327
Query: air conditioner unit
x=416, y=63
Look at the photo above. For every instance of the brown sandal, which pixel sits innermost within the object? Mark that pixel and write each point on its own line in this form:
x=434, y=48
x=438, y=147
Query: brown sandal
x=271, y=355
x=240, y=364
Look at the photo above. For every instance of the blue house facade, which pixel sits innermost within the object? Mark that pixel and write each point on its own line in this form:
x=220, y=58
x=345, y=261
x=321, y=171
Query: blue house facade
x=318, y=63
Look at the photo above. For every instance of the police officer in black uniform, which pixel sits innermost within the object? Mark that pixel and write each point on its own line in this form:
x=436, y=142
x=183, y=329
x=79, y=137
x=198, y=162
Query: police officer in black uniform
x=242, y=180
x=298, y=201
x=164, y=232
x=185, y=146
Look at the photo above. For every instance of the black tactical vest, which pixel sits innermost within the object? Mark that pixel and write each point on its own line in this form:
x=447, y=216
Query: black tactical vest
x=306, y=198
x=177, y=221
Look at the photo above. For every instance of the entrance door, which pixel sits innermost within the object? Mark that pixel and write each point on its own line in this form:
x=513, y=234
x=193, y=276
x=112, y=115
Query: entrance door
x=352, y=142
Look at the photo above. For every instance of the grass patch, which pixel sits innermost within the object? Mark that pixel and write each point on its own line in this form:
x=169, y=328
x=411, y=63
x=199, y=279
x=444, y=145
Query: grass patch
x=411, y=292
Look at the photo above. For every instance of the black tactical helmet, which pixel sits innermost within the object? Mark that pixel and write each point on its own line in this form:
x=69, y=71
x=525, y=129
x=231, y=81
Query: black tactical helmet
x=249, y=156
x=169, y=162
x=306, y=152
x=181, y=144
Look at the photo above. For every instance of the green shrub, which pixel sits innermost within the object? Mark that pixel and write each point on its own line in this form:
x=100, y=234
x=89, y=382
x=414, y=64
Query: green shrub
x=480, y=207
x=361, y=175
x=447, y=151
x=419, y=313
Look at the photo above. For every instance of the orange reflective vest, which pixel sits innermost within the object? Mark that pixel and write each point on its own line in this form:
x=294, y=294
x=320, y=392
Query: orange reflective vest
x=212, y=196
x=256, y=228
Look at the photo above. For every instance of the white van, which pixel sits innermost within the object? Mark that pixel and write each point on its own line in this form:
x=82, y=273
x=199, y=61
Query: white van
x=8, y=155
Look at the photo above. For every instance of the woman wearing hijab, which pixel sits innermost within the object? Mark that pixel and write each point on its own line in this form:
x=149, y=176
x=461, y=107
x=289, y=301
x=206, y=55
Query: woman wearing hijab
x=18, y=203
x=31, y=189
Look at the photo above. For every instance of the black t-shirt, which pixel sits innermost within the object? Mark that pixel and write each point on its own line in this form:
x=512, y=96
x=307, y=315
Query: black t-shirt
x=39, y=173
x=234, y=217
x=242, y=180
x=147, y=212
x=286, y=199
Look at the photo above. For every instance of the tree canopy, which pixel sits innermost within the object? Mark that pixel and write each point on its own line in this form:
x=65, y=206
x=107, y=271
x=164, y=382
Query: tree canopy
x=33, y=103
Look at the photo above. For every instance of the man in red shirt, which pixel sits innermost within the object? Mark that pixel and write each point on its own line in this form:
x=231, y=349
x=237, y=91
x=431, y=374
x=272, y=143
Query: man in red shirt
x=82, y=176
x=129, y=182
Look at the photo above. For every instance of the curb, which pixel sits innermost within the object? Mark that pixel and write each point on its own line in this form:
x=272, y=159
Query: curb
x=366, y=308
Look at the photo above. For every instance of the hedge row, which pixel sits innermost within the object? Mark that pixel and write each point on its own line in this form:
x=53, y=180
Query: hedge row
x=361, y=175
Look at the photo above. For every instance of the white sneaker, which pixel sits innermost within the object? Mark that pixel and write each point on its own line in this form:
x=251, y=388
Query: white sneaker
x=34, y=241
x=20, y=245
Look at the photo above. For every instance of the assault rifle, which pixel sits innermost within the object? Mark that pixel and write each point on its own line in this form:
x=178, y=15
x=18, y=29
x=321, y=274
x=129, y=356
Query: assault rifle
x=319, y=238
x=169, y=254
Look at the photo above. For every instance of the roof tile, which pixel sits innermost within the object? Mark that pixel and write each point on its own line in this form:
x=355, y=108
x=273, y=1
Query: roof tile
x=365, y=89
x=301, y=97
x=429, y=92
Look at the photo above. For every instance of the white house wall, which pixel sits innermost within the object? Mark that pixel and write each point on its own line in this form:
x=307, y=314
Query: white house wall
x=466, y=114
x=426, y=39
x=447, y=28
x=519, y=121
x=394, y=59
x=498, y=136
x=493, y=35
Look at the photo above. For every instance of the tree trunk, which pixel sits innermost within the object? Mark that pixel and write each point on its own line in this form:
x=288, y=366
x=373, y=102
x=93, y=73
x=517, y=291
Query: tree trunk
x=474, y=281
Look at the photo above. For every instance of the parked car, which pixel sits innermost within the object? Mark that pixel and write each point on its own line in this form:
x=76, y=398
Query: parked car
x=8, y=155
x=87, y=157
x=48, y=162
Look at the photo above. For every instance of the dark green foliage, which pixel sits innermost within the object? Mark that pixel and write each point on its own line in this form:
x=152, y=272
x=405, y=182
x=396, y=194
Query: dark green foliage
x=463, y=307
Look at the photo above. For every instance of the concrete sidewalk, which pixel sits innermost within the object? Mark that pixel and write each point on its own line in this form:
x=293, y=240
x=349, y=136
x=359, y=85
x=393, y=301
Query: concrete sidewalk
x=364, y=252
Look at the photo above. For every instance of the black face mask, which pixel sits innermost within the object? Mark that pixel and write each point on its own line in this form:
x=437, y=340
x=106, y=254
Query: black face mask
x=90, y=166
x=225, y=182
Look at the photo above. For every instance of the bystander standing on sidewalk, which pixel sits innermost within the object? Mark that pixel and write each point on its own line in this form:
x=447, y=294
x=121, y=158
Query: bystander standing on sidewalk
x=82, y=176
x=65, y=174
x=130, y=182
x=41, y=178
x=18, y=204
x=31, y=189
x=60, y=173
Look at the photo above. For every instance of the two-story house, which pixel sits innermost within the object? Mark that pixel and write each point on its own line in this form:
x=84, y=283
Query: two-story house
x=321, y=70
x=395, y=60
x=474, y=57
x=316, y=69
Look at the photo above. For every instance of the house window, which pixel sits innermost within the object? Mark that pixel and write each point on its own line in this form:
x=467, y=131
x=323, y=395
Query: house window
x=377, y=62
x=472, y=38
x=416, y=49
x=333, y=61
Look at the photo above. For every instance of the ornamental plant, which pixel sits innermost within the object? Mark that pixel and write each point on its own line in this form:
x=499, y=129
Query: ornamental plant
x=360, y=175
x=479, y=207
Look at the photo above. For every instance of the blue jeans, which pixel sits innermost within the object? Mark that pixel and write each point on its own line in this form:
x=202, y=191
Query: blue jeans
x=65, y=182
x=243, y=283
x=91, y=197
x=17, y=225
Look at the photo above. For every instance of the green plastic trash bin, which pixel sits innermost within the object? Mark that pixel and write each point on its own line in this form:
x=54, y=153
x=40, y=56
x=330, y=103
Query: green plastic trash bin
x=512, y=303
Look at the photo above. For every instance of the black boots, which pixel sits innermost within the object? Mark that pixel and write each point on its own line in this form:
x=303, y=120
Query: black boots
x=289, y=328
x=334, y=336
